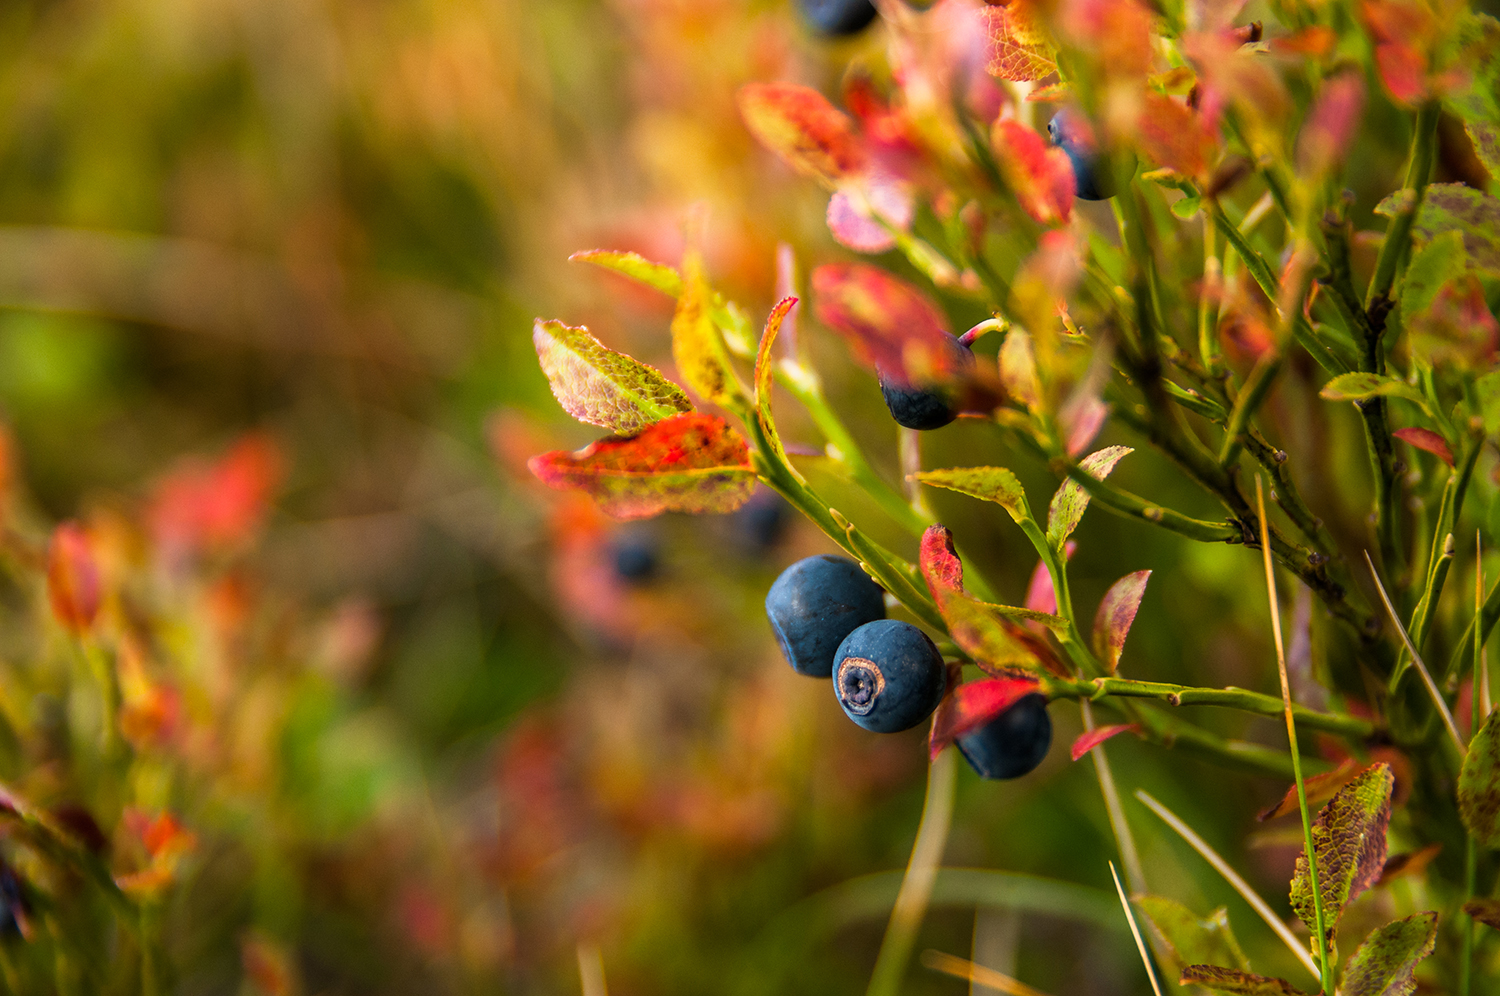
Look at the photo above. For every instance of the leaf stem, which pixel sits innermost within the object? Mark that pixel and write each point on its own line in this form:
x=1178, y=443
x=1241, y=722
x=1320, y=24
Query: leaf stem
x=1323, y=938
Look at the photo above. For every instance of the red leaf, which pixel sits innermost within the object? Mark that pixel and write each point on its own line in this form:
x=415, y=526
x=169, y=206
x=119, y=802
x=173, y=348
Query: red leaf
x=1173, y=135
x=203, y=505
x=1041, y=177
x=1018, y=48
x=692, y=462
x=73, y=585
x=1426, y=439
x=992, y=641
x=1116, y=614
x=1401, y=31
x=1457, y=327
x=1093, y=738
x=803, y=128
x=1331, y=124
x=1040, y=595
x=887, y=322
x=968, y=707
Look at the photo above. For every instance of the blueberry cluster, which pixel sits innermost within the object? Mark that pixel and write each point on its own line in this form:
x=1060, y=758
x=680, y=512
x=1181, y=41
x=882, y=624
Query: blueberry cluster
x=888, y=676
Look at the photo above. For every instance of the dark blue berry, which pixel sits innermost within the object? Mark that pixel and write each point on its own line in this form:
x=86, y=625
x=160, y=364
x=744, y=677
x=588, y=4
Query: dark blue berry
x=815, y=604
x=12, y=903
x=1013, y=743
x=1092, y=181
x=838, y=17
x=888, y=676
x=636, y=558
x=762, y=521
x=924, y=407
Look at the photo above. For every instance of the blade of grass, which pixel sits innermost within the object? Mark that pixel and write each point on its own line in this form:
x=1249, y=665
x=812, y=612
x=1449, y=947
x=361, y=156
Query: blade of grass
x=1325, y=962
x=1134, y=870
x=1140, y=945
x=921, y=872
x=1221, y=866
x=1416, y=658
x=591, y=970
x=1471, y=855
x=948, y=964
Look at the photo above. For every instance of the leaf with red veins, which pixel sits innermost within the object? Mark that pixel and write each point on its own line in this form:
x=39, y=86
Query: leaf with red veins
x=1331, y=124
x=990, y=640
x=1236, y=983
x=1093, y=738
x=73, y=585
x=1349, y=839
x=1173, y=135
x=598, y=385
x=1017, y=48
x=968, y=707
x=692, y=462
x=1384, y=963
x=1116, y=615
x=887, y=322
x=804, y=129
x=1041, y=177
x=1426, y=439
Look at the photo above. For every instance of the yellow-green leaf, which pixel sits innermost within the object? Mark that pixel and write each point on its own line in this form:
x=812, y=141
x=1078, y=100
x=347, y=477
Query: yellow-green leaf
x=696, y=344
x=994, y=484
x=1236, y=982
x=1350, y=844
x=598, y=385
x=1479, y=784
x=765, y=370
x=1189, y=940
x=1383, y=964
x=1072, y=500
x=1359, y=386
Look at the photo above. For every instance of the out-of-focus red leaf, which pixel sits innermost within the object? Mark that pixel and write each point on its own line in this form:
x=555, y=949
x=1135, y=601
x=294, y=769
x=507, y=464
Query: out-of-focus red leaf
x=1017, y=44
x=149, y=710
x=692, y=462
x=73, y=585
x=1081, y=420
x=1213, y=15
x=1093, y=738
x=1173, y=135
x=1408, y=863
x=968, y=707
x=1316, y=41
x=804, y=129
x=166, y=843
x=1401, y=31
x=1331, y=124
x=1041, y=177
x=1116, y=33
x=201, y=506
x=1426, y=439
x=855, y=214
x=1229, y=73
x=1457, y=327
x=1116, y=615
x=887, y=322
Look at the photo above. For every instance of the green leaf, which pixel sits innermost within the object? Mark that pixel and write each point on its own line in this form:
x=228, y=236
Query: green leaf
x=1383, y=964
x=994, y=484
x=1238, y=983
x=697, y=345
x=1479, y=784
x=1453, y=207
x=1071, y=500
x=1486, y=138
x=635, y=266
x=1487, y=388
x=1189, y=940
x=765, y=371
x=1432, y=266
x=1479, y=55
x=1349, y=841
x=1363, y=386
x=597, y=385
x=1186, y=207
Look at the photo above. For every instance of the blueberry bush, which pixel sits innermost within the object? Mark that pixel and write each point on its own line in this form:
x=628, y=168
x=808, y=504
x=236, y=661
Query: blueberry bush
x=1255, y=250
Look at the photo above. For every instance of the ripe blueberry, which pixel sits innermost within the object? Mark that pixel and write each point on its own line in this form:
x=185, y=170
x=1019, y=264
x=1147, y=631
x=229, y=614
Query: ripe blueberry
x=635, y=558
x=838, y=17
x=1092, y=181
x=1013, y=743
x=815, y=604
x=924, y=407
x=888, y=676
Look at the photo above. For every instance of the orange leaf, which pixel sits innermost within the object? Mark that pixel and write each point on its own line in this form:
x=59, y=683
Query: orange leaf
x=1041, y=177
x=887, y=322
x=803, y=128
x=1173, y=135
x=73, y=585
x=1017, y=45
x=1320, y=788
x=692, y=462
x=1093, y=738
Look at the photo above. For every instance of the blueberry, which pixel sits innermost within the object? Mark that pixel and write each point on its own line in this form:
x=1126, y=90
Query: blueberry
x=1092, y=181
x=838, y=17
x=12, y=902
x=924, y=407
x=815, y=604
x=1013, y=743
x=762, y=521
x=635, y=558
x=888, y=676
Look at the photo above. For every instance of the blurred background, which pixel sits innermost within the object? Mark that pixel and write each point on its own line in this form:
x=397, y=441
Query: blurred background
x=268, y=270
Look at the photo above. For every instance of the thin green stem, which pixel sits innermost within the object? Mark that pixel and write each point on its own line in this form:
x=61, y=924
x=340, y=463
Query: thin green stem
x=1124, y=503
x=1208, y=302
x=1398, y=234
x=1471, y=853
